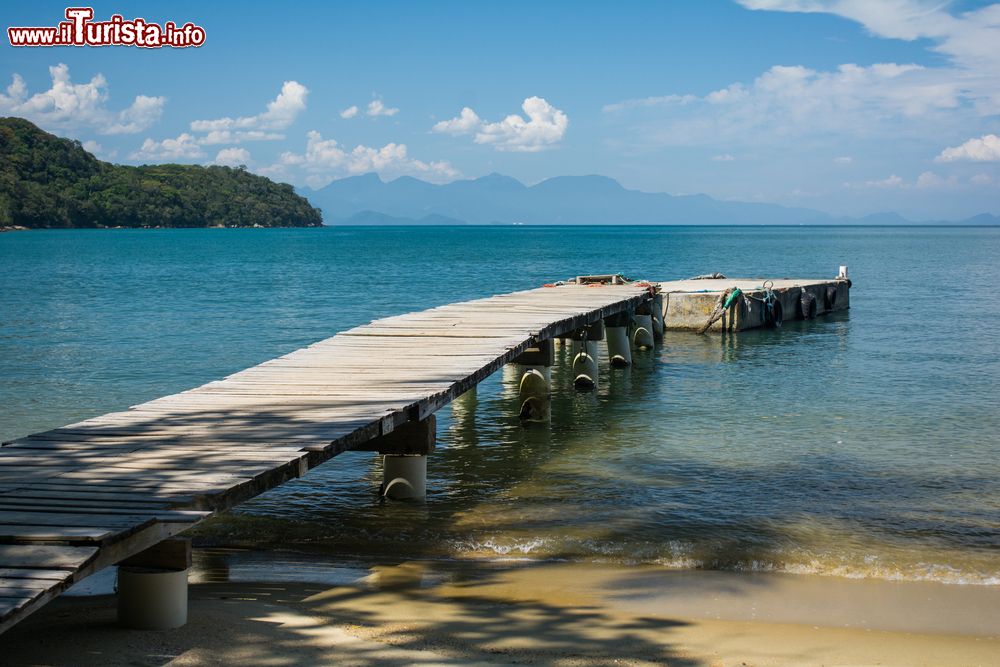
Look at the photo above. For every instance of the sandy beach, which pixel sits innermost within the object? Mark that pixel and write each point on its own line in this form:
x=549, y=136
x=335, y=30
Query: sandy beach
x=560, y=614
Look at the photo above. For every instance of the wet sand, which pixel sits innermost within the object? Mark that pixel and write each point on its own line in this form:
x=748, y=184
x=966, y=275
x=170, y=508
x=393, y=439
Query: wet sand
x=560, y=614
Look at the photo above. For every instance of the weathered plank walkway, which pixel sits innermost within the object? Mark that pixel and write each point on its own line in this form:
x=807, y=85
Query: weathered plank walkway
x=79, y=498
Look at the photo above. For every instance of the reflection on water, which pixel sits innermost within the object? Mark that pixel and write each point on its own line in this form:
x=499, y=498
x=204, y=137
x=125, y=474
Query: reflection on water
x=666, y=463
x=861, y=444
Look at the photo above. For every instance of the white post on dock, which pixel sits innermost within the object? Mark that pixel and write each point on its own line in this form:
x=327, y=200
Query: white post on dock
x=153, y=586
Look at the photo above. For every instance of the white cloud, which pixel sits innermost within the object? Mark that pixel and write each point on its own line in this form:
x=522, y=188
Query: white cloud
x=326, y=160
x=232, y=157
x=927, y=180
x=984, y=149
x=843, y=159
x=725, y=157
x=281, y=112
x=981, y=179
x=349, y=112
x=544, y=127
x=142, y=114
x=377, y=108
x=68, y=105
x=466, y=122
x=893, y=181
x=239, y=136
x=184, y=147
x=98, y=150
x=662, y=100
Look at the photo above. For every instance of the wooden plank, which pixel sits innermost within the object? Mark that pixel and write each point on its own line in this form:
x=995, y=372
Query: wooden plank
x=24, y=573
x=75, y=533
x=44, y=556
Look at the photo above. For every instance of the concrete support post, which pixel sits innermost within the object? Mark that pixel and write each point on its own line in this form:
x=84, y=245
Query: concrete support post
x=585, y=372
x=153, y=586
x=404, y=476
x=642, y=331
x=656, y=310
x=404, y=453
x=584, y=368
x=535, y=393
x=535, y=386
x=616, y=332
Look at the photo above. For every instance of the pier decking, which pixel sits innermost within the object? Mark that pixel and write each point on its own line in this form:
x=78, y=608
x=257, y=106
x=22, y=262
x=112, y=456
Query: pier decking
x=79, y=498
x=85, y=496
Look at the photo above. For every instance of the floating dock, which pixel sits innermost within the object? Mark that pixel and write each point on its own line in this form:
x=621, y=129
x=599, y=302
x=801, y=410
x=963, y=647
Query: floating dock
x=689, y=303
x=117, y=489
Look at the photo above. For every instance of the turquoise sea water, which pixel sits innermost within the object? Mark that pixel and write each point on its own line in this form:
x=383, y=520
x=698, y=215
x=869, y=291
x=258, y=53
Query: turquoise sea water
x=861, y=444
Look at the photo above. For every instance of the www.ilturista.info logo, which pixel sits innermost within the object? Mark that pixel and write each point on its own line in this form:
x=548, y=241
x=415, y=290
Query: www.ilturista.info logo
x=81, y=30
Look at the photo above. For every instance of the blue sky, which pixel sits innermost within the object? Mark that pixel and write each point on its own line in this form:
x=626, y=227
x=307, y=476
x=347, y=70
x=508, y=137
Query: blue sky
x=847, y=106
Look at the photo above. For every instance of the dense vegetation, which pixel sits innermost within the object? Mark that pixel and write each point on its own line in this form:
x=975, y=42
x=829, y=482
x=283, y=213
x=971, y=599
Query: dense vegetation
x=46, y=181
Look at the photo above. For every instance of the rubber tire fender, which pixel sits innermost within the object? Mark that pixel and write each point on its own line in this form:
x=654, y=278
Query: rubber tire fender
x=831, y=297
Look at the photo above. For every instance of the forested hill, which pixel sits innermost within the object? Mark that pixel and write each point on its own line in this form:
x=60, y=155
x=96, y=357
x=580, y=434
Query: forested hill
x=49, y=182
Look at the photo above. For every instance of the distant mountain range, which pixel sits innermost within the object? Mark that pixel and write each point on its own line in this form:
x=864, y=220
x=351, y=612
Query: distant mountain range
x=563, y=200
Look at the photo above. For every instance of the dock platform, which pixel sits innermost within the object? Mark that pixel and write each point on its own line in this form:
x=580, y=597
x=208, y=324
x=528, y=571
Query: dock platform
x=77, y=499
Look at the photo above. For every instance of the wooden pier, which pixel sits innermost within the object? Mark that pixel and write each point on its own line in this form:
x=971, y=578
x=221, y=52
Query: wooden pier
x=77, y=499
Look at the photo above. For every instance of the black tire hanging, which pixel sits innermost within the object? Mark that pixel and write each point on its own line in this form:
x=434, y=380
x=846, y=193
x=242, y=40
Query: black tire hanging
x=807, y=306
x=831, y=297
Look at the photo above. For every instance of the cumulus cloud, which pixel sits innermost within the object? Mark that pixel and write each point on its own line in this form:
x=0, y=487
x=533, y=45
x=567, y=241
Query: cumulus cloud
x=544, y=127
x=843, y=159
x=466, y=122
x=280, y=113
x=76, y=106
x=725, y=157
x=325, y=160
x=349, y=112
x=984, y=149
x=378, y=108
x=232, y=157
x=183, y=147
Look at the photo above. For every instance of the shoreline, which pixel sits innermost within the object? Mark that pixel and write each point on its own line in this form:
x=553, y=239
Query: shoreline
x=260, y=608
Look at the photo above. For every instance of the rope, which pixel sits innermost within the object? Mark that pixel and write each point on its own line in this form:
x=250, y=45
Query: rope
x=722, y=304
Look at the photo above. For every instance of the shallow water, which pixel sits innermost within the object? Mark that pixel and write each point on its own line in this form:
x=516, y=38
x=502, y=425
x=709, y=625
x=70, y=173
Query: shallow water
x=861, y=444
